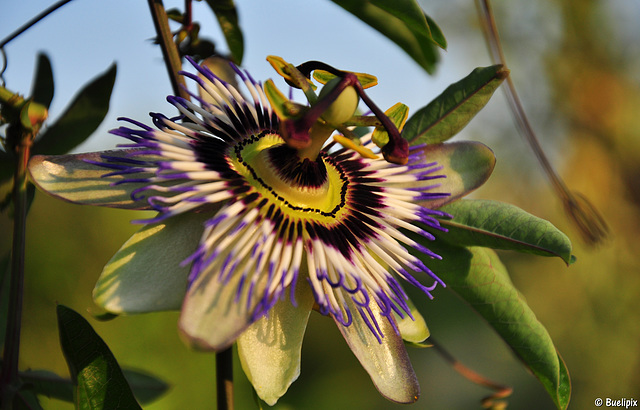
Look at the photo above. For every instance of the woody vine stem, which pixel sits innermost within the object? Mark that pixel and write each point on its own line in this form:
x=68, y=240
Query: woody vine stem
x=224, y=359
x=19, y=139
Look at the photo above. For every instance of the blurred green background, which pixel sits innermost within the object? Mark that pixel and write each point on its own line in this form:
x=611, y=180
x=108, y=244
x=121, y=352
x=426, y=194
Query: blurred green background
x=577, y=67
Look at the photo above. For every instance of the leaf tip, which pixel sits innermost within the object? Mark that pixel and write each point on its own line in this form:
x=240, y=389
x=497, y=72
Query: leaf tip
x=502, y=72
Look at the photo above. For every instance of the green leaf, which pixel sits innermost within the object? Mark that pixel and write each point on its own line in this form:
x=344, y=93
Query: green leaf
x=479, y=277
x=25, y=399
x=564, y=386
x=43, y=88
x=104, y=316
x=498, y=225
x=227, y=15
x=466, y=164
x=436, y=34
x=81, y=117
x=176, y=15
x=145, y=387
x=403, y=22
x=99, y=381
x=47, y=383
x=410, y=12
x=452, y=110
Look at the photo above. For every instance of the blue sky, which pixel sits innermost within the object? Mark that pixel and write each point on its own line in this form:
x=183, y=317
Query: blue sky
x=85, y=36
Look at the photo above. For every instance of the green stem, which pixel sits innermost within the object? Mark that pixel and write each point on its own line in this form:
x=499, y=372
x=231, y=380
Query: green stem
x=319, y=134
x=9, y=376
x=224, y=359
x=169, y=51
x=224, y=378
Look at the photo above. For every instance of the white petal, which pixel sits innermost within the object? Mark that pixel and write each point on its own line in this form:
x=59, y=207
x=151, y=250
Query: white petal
x=213, y=315
x=413, y=331
x=467, y=165
x=269, y=350
x=73, y=179
x=387, y=363
x=145, y=274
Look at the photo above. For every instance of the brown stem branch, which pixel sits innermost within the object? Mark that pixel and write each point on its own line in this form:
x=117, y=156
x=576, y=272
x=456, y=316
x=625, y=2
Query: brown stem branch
x=491, y=401
x=224, y=378
x=584, y=215
x=9, y=374
x=169, y=51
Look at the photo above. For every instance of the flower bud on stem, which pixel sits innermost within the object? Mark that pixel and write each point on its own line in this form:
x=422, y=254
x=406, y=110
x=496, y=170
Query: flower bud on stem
x=397, y=149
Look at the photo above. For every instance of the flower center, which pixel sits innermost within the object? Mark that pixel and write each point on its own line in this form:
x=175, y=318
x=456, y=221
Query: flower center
x=306, y=187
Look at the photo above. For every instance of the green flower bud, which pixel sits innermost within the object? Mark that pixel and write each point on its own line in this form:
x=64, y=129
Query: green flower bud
x=343, y=108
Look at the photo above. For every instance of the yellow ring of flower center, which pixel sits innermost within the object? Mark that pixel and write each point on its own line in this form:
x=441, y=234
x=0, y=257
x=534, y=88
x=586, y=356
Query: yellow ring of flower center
x=323, y=203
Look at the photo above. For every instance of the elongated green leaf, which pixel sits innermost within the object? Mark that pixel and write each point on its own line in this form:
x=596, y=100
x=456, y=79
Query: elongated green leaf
x=498, y=225
x=43, y=88
x=564, y=385
x=408, y=11
x=436, y=34
x=225, y=11
x=26, y=399
x=452, y=110
x=401, y=21
x=145, y=387
x=47, y=383
x=477, y=275
x=81, y=117
x=99, y=381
